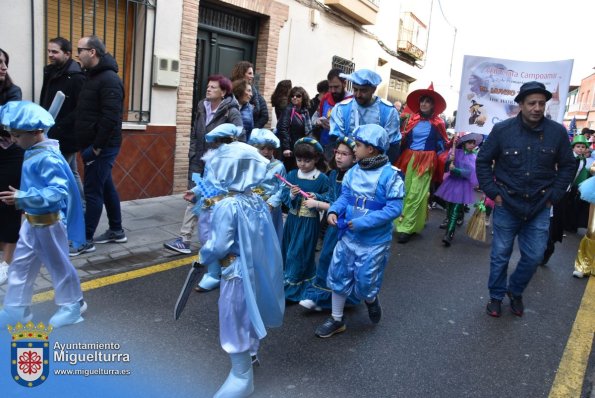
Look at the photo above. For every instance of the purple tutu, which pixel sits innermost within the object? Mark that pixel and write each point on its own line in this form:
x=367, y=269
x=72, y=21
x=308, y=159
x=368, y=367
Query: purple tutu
x=460, y=189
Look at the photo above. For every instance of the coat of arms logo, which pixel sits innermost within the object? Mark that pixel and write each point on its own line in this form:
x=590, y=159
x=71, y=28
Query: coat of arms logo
x=29, y=353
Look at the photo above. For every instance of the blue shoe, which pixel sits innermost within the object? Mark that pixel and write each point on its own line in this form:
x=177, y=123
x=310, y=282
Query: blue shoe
x=110, y=236
x=330, y=327
x=87, y=247
x=210, y=280
x=178, y=245
x=240, y=381
x=68, y=314
x=10, y=315
x=374, y=310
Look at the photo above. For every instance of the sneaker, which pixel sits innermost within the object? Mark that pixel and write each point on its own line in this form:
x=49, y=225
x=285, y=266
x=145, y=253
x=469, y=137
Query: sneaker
x=578, y=274
x=110, y=236
x=374, y=310
x=255, y=360
x=330, y=327
x=494, y=308
x=178, y=245
x=460, y=220
x=516, y=304
x=403, y=237
x=310, y=304
x=444, y=224
x=87, y=247
x=3, y=272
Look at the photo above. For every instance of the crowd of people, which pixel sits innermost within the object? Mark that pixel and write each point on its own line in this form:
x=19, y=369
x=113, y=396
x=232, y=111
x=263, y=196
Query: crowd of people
x=348, y=168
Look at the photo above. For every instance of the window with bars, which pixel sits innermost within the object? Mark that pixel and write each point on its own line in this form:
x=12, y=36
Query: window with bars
x=127, y=29
x=344, y=65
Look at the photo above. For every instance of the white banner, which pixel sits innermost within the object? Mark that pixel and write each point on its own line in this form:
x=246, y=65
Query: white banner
x=489, y=86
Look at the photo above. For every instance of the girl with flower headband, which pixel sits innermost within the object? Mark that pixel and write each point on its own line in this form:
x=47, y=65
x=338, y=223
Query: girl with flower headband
x=317, y=295
x=303, y=223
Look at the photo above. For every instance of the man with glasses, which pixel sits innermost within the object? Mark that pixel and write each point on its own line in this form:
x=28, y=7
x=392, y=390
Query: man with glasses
x=366, y=108
x=99, y=131
x=63, y=74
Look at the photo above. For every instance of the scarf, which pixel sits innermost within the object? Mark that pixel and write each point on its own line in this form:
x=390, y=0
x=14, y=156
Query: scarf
x=374, y=162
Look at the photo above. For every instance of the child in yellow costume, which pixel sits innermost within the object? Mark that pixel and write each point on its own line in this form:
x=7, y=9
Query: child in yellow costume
x=584, y=264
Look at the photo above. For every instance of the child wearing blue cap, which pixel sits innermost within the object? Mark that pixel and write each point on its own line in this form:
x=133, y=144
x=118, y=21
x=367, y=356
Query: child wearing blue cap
x=371, y=198
x=51, y=201
x=302, y=226
x=270, y=190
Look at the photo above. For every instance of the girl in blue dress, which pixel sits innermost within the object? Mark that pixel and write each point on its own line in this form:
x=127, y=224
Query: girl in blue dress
x=302, y=226
x=317, y=295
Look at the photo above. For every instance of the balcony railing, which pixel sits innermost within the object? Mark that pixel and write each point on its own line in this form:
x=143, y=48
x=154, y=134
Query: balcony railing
x=405, y=46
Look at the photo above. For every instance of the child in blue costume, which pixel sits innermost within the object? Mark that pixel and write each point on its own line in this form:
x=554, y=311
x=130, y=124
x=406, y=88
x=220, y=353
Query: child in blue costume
x=51, y=201
x=303, y=224
x=244, y=243
x=206, y=193
x=271, y=188
x=317, y=294
x=458, y=187
x=371, y=198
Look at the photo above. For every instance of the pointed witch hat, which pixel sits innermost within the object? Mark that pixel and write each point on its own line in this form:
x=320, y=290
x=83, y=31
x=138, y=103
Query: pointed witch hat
x=414, y=97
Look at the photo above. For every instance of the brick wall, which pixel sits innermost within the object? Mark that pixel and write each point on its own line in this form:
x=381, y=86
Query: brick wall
x=273, y=17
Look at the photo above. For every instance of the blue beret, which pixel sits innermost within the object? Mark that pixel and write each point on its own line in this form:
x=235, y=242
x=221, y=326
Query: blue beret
x=264, y=137
x=25, y=115
x=223, y=131
x=346, y=141
x=363, y=77
x=372, y=134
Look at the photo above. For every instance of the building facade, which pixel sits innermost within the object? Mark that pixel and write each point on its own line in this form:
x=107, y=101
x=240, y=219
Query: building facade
x=166, y=49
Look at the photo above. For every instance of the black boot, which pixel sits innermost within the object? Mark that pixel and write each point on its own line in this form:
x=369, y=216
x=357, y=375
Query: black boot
x=449, y=207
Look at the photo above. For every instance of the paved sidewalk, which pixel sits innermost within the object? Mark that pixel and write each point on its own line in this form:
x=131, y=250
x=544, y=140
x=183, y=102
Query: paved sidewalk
x=148, y=223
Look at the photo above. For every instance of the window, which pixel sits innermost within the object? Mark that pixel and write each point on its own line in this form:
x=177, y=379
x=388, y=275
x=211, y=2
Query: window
x=344, y=65
x=123, y=25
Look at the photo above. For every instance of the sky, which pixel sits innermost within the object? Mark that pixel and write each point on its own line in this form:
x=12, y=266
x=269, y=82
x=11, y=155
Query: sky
x=525, y=30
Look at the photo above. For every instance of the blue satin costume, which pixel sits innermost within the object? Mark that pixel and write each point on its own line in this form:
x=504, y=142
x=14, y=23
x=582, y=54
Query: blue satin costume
x=271, y=191
x=371, y=200
x=300, y=234
x=47, y=186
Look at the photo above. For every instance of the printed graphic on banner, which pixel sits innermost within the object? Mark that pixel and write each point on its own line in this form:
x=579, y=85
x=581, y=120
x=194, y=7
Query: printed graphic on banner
x=29, y=353
x=489, y=86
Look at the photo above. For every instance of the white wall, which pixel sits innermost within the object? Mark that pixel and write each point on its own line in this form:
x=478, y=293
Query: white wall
x=167, y=44
x=306, y=52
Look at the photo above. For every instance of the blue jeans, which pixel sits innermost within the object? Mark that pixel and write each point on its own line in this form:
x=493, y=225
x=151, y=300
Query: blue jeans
x=100, y=189
x=532, y=237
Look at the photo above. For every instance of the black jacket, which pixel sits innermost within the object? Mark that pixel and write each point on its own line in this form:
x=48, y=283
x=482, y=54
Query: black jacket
x=531, y=166
x=261, y=112
x=98, y=114
x=12, y=94
x=69, y=79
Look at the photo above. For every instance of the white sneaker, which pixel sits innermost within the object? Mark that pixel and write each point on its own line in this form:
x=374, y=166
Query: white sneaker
x=310, y=304
x=577, y=274
x=3, y=272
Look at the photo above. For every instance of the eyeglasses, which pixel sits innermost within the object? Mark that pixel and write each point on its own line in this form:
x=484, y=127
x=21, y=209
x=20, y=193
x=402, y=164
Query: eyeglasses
x=296, y=96
x=81, y=49
x=341, y=153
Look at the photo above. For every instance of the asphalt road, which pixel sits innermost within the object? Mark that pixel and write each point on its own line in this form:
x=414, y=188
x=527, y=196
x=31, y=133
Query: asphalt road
x=434, y=338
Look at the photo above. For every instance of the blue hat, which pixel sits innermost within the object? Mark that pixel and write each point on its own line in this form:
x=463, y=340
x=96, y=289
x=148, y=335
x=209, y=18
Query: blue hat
x=225, y=130
x=311, y=141
x=25, y=115
x=264, y=137
x=363, y=77
x=346, y=141
x=372, y=134
x=238, y=167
